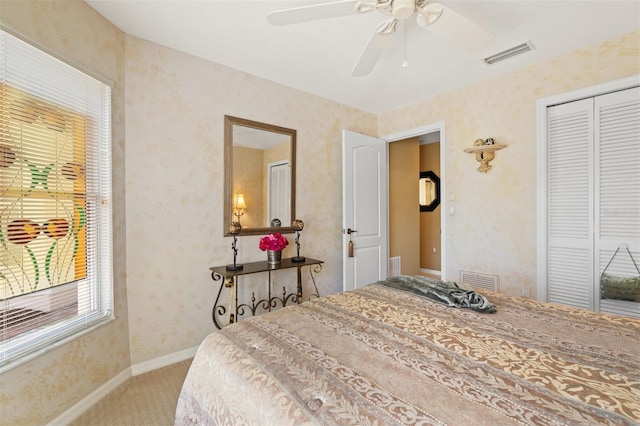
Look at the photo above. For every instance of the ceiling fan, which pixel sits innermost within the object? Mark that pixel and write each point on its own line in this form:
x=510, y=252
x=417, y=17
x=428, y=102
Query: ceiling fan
x=450, y=24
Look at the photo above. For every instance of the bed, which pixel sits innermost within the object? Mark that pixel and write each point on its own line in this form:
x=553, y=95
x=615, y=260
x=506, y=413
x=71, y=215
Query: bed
x=387, y=354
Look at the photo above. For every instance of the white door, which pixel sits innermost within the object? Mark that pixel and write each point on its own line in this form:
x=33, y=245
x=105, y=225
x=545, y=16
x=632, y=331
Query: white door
x=570, y=233
x=593, y=198
x=364, y=209
x=279, y=194
x=617, y=223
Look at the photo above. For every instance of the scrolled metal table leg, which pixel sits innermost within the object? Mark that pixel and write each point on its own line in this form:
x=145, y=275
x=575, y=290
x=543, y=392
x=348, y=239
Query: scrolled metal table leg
x=299, y=289
x=317, y=269
x=217, y=309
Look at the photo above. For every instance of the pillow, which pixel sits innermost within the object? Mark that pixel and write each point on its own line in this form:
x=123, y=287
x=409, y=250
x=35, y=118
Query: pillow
x=620, y=288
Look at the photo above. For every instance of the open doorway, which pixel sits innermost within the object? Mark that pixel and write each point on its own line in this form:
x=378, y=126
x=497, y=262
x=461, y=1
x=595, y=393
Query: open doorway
x=417, y=235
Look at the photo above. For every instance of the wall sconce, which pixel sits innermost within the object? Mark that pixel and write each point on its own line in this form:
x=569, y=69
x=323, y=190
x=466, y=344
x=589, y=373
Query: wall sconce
x=239, y=205
x=298, y=226
x=485, y=151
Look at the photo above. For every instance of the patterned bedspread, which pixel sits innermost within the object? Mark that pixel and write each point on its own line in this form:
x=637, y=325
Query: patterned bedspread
x=379, y=356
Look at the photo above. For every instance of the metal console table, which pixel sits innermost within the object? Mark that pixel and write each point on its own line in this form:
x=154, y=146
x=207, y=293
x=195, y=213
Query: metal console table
x=229, y=279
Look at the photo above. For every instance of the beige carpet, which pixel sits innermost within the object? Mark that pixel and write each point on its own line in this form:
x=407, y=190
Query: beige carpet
x=147, y=399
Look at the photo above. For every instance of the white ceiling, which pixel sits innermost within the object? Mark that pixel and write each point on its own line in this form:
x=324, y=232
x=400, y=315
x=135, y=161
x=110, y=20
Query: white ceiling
x=317, y=57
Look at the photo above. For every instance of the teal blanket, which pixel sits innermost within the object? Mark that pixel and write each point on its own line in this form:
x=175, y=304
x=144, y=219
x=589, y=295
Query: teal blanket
x=449, y=293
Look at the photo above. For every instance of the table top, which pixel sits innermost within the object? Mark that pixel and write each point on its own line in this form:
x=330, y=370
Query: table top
x=263, y=266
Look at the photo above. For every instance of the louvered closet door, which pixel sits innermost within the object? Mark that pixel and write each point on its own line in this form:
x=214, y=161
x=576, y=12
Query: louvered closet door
x=617, y=154
x=570, y=273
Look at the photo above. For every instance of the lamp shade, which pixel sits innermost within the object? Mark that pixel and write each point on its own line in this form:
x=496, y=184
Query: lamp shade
x=239, y=201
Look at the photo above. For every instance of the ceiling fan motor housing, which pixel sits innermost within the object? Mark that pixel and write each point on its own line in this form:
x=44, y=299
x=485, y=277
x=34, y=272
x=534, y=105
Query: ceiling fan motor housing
x=402, y=9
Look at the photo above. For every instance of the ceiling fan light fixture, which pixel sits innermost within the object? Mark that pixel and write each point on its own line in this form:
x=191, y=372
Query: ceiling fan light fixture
x=362, y=7
x=509, y=53
x=429, y=14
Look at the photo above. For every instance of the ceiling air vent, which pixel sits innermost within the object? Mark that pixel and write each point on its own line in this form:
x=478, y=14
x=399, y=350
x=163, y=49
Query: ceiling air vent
x=505, y=54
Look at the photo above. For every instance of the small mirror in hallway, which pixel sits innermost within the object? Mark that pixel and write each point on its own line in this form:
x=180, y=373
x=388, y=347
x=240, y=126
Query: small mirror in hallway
x=429, y=191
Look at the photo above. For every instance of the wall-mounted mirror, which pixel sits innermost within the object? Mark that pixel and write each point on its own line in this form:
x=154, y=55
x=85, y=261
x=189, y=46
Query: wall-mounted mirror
x=260, y=176
x=429, y=191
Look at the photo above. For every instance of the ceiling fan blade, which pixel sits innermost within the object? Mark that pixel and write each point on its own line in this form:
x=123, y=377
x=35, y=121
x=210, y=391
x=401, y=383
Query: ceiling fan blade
x=449, y=24
x=312, y=13
x=377, y=44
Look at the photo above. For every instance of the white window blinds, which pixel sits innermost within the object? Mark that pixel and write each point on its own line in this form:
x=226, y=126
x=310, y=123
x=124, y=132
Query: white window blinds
x=55, y=201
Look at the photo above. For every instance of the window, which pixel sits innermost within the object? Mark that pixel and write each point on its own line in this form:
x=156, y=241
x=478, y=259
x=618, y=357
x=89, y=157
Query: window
x=55, y=202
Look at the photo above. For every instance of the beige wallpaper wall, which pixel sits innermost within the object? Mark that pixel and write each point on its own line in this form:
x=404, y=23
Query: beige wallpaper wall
x=494, y=228
x=42, y=389
x=174, y=165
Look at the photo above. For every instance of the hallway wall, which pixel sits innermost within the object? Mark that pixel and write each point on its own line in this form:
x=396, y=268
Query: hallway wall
x=404, y=211
x=430, y=255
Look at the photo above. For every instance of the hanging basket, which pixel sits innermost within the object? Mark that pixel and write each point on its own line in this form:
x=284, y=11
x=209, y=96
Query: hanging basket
x=620, y=288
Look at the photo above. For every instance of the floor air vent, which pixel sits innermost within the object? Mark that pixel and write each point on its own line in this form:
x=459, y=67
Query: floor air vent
x=480, y=281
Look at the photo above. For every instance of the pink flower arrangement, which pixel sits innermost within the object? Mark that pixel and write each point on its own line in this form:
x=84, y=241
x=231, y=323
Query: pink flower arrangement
x=275, y=242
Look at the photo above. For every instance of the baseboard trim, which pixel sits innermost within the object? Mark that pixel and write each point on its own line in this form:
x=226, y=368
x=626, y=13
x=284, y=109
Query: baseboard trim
x=163, y=361
x=144, y=367
x=78, y=409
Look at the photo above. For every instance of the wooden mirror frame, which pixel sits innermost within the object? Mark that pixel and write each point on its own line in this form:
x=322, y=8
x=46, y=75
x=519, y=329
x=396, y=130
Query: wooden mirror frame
x=229, y=122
